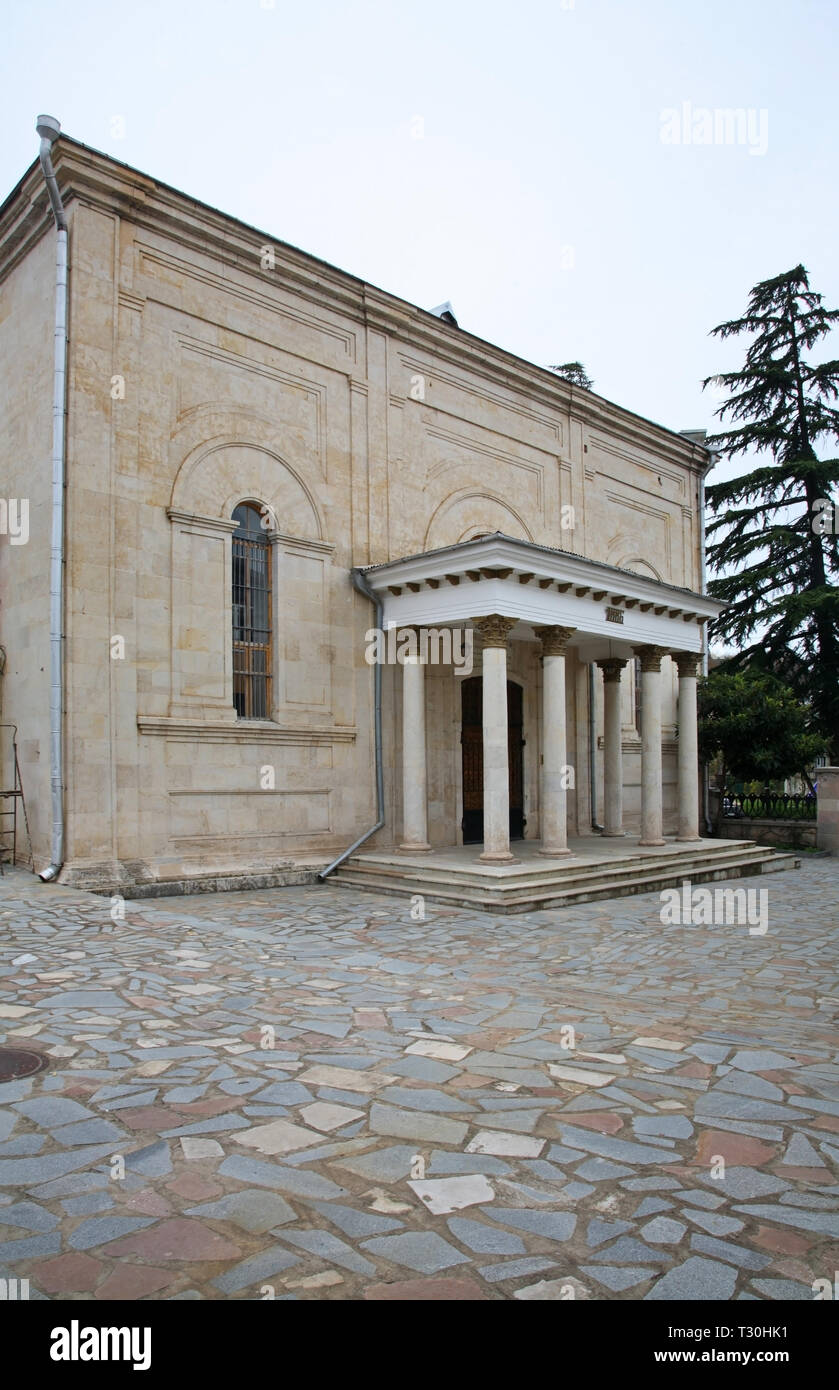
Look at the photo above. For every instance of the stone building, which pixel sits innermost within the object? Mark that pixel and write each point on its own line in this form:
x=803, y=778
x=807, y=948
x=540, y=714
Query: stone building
x=262, y=452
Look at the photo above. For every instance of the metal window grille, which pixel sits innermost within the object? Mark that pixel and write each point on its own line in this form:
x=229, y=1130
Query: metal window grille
x=251, y=615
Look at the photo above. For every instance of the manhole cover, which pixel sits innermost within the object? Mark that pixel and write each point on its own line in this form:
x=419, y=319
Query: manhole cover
x=16, y=1062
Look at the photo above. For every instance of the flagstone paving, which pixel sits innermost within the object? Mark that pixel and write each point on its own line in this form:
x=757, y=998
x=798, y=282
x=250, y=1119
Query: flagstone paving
x=305, y=1093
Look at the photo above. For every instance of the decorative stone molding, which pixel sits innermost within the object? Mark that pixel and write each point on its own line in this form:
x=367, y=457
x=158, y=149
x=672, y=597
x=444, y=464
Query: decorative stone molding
x=612, y=669
x=135, y=302
x=200, y=650
x=650, y=657
x=241, y=463
x=539, y=586
x=554, y=639
x=300, y=543
x=203, y=524
x=241, y=731
x=494, y=629
x=468, y=508
x=687, y=663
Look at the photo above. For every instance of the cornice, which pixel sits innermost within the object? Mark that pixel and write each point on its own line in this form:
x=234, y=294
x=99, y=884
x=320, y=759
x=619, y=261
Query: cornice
x=301, y=543
x=244, y=731
x=194, y=522
x=96, y=180
x=25, y=217
x=464, y=352
x=506, y=557
x=154, y=207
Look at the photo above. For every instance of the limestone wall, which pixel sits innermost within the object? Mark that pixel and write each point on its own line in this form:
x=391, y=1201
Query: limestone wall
x=827, y=833
x=27, y=299
x=206, y=372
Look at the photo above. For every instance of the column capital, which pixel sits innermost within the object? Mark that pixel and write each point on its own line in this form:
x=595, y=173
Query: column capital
x=687, y=663
x=612, y=668
x=494, y=629
x=554, y=640
x=411, y=635
x=650, y=657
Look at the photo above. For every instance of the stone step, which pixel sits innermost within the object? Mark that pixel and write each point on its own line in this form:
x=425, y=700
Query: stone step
x=602, y=875
x=589, y=887
x=566, y=874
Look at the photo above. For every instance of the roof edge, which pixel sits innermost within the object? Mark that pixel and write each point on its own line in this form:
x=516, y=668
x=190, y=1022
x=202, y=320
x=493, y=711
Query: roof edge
x=139, y=192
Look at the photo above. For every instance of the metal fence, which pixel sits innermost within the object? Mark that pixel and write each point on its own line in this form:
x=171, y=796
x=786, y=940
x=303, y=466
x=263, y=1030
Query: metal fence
x=770, y=806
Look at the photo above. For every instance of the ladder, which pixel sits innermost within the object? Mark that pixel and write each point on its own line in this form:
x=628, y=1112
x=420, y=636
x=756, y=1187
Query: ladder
x=9, y=832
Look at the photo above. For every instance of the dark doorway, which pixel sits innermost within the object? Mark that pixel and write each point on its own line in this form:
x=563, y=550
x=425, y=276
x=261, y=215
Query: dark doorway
x=472, y=741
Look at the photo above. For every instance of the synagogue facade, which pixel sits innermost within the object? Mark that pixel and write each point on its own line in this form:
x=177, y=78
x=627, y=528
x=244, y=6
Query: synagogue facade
x=267, y=459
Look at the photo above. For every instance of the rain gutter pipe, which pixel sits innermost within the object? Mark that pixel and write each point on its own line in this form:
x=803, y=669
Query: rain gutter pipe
x=49, y=129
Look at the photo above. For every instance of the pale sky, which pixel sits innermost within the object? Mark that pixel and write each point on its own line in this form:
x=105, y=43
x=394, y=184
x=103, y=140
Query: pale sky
x=508, y=158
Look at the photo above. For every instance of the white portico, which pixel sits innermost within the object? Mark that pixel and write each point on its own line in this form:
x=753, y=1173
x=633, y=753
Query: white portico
x=508, y=591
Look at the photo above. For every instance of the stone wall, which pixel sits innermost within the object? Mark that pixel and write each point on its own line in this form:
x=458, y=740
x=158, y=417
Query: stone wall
x=27, y=316
x=786, y=834
x=205, y=373
x=828, y=822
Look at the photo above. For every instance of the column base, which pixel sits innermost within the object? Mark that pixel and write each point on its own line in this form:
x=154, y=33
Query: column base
x=497, y=857
x=612, y=834
x=424, y=848
x=688, y=839
x=554, y=853
x=652, y=843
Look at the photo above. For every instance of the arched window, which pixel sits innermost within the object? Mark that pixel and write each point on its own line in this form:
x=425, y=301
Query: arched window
x=251, y=615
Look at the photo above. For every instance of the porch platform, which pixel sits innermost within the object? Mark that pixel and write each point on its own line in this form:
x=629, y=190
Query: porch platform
x=596, y=868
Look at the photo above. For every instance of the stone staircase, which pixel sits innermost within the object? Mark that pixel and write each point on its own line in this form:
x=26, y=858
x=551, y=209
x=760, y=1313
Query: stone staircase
x=534, y=884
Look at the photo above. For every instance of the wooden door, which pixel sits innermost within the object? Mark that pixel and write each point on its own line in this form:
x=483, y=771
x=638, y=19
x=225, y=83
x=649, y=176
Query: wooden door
x=472, y=743
x=515, y=756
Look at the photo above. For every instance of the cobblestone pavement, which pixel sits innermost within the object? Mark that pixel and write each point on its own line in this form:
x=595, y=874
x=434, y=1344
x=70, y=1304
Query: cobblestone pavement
x=420, y=1127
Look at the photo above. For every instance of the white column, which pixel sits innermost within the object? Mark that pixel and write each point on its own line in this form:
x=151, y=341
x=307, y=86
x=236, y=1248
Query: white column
x=651, y=809
x=612, y=746
x=494, y=631
x=414, y=777
x=687, y=663
x=553, y=810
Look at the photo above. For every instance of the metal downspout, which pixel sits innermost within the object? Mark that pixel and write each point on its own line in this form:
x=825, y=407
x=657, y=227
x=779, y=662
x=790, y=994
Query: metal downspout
x=360, y=583
x=49, y=129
